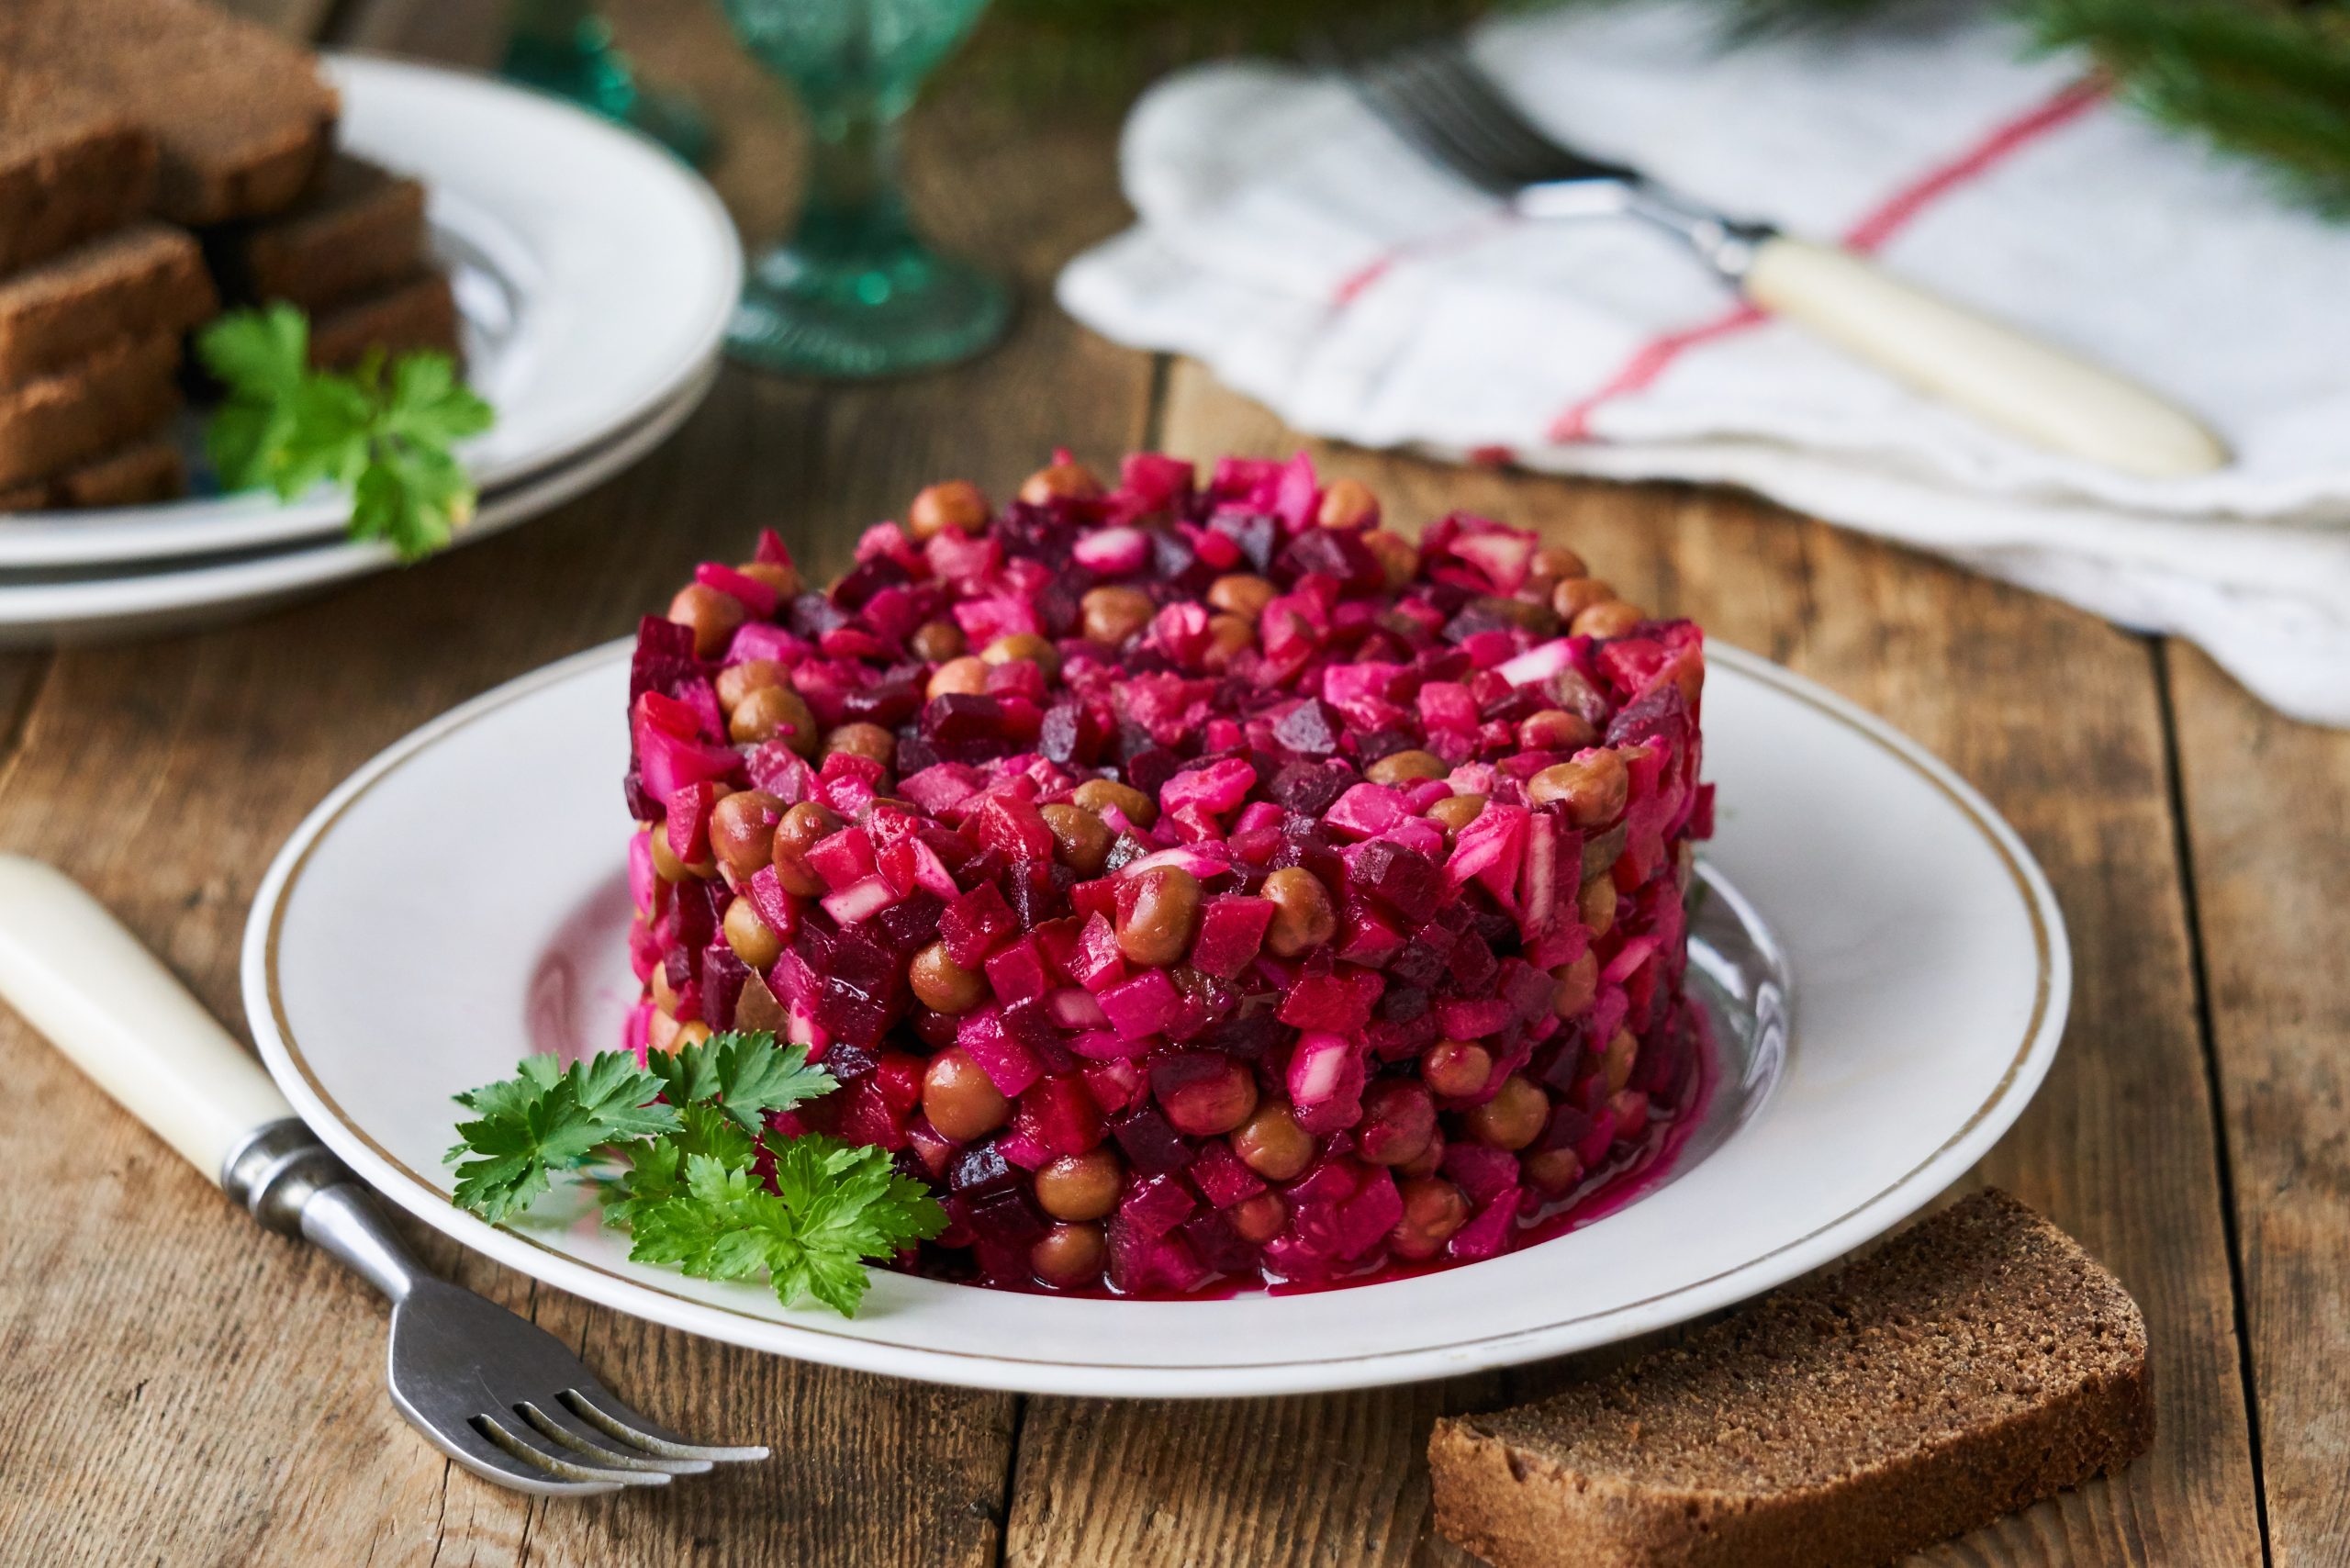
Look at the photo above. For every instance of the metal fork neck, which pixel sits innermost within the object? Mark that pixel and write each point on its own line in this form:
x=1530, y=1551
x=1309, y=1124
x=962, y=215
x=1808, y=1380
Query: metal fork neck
x=1727, y=244
x=294, y=1185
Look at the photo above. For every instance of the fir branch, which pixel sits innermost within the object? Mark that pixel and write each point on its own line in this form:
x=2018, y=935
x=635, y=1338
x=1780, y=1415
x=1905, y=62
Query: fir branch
x=2266, y=83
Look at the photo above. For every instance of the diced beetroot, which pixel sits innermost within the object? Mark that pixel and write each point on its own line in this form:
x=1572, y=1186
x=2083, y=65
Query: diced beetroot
x=1365, y=812
x=1479, y=1169
x=1152, y=483
x=1143, y=1005
x=669, y=764
x=1369, y=1214
x=1490, y=849
x=686, y=820
x=1099, y=963
x=941, y=789
x=1061, y=1116
x=682, y=718
x=1594, y=1145
x=1325, y=1080
x=1009, y=1219
x=1338, y=1003
x=1218, y=788
x=1115, y=1085
x=1009, y=1066
x=843, y=859
x=774, y=906
x=1151, y=1143
x=1142, y=1265
x=1463, y=1020
x=1488, y=1234
x=1367, y=937
x=865, y=1117
x=1153, y=1205
x=1406, y=881
x=973, y=924
x=1218, y=1246
x=1232, y=930
x=1220, y=1176
x=1108, y=1045
x=1013, y=827
x=1016, y=971
x=1020, y=1145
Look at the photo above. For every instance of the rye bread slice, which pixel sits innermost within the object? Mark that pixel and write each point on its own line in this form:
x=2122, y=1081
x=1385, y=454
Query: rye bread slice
x=361, y=231
x=63, y=421
x=418, y=313
x=149, y=468
x=240, y=115
x=70, y=164
x=1973, y=1365
x=139, y=282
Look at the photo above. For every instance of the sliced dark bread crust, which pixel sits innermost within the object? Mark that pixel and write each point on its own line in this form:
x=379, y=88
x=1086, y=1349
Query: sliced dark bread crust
x=242, y=118
x=62, y=422
x=148, y=469
x=421, y=313
x=71, y=164
x=141, y=282
x=1973, y=1365
x=361, y=231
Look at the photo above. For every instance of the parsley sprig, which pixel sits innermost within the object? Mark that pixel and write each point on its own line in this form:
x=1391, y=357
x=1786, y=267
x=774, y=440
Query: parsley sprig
x=383, y=432
x=692, y=1191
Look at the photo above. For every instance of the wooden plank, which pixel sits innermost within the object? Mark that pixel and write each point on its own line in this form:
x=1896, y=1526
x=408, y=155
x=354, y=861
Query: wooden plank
x=2119, y=1147
x=2267, y=815
x=295, y=18
x=181, y=1388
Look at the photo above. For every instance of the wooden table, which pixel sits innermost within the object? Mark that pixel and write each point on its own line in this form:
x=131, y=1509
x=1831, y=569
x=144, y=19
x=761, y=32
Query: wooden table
x=177, y=1388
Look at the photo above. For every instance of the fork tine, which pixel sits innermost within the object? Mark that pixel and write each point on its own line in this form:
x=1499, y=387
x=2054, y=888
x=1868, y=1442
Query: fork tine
x=591, y=1445
x=596, y=1407
x=1434, y=102
x=485, y=1458
x=1516, y=141
x=555, y=1463
x=1402, y=103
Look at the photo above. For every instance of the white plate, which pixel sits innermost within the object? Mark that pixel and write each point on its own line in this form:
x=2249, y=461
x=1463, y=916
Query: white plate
x=150, y=603
x=594, y=271
x=461, y=899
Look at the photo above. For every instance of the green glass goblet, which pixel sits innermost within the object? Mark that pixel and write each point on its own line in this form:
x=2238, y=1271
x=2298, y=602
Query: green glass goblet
x=853, y=291
x=565, y=48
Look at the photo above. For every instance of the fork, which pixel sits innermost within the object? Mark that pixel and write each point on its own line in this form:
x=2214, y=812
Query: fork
x=1438, y=102
x=497, y=1394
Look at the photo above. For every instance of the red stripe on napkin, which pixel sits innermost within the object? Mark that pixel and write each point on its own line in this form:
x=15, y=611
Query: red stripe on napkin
x=1888, y=217
x=1379, y=266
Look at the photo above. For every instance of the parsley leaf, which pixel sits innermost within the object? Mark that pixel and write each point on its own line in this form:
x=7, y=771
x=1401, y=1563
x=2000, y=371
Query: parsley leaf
x=833, y=1207
x=746, y=1074
x=703, y=1186
x=384, y=437
x=548, y=1118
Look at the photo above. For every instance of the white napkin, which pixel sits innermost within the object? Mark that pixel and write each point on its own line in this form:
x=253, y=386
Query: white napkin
x=1292, y=244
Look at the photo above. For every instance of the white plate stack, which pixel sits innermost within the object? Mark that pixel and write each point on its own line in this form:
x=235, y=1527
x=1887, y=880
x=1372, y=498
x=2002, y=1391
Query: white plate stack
x=594, y=273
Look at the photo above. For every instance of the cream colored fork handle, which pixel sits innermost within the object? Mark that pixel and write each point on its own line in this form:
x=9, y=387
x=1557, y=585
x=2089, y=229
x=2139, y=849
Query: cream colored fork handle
x=1994, y=372
x=116, y=1013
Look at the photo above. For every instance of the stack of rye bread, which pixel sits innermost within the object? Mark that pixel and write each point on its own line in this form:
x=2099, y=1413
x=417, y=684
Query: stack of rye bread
x=158, y=159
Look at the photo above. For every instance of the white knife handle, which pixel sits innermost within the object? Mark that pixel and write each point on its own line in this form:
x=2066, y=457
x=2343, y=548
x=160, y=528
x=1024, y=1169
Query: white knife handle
x=1994, y=372
x=82, y=980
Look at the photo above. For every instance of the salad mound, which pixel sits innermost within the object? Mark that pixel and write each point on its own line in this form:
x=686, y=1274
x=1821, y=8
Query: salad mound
x=1196, y=885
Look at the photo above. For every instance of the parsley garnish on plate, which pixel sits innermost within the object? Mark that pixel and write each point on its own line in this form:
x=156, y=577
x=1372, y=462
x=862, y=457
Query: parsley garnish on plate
x=691, y=1194
x=384, y=432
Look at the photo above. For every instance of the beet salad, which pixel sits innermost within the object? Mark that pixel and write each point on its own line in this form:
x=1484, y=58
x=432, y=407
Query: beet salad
x=1197, y=885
